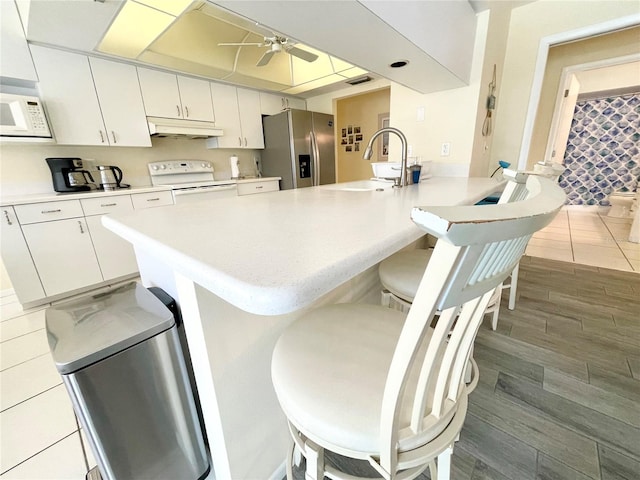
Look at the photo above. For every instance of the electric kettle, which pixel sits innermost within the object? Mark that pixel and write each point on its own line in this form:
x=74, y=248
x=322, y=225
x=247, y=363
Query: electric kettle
x=110, y=177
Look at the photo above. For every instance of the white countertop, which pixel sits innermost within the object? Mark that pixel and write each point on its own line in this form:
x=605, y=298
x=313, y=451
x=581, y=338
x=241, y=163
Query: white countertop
x=276, y=253
x=55, y=197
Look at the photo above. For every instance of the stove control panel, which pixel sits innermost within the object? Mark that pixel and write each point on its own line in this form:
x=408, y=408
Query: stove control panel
x=174, y=167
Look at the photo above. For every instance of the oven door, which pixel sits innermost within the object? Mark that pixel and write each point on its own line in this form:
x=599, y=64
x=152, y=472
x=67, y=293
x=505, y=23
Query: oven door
x=203, y=194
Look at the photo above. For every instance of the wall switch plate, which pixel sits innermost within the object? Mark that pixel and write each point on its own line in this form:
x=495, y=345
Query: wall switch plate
x=445, y=150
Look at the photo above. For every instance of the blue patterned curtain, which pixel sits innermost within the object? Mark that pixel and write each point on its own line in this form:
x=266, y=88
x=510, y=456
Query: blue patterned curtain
x=602, y=152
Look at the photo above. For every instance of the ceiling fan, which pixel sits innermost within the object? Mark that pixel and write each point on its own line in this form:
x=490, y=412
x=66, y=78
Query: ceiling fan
x=276, y=44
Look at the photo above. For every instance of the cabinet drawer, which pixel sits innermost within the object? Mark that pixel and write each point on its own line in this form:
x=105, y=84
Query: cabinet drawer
x=44, y=212
x=102, y=205
x=258, y=187
x=154, y=199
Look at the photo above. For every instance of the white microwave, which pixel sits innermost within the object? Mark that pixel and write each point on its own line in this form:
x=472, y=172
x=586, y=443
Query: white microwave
x=22, y=116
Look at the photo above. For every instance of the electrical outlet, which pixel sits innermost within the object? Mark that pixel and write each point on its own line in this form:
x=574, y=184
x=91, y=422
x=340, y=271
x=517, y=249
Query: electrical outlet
x=445, y=150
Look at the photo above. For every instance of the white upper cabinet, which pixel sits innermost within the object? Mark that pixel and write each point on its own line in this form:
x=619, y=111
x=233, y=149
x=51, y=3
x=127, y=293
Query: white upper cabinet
x=250, y=118
x=121, y=103
x=238, y=114
x=271, y=103
x=15, y=59
x=75, y=104
x=173, y=96
x=196, y=99
x=160, y=93
x=66, y=86
x=225, y=100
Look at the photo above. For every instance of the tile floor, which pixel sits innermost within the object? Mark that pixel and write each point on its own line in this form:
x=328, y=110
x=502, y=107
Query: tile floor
x=587, y=236
x=39, y=435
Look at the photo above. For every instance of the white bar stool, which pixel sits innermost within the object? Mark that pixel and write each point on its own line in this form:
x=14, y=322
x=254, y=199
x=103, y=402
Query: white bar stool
x=371, y=383
x=401, y=272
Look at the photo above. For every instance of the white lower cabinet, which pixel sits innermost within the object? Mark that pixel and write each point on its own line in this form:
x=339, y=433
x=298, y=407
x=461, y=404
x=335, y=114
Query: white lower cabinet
x=63, y=254
x=58, y=247
x=115, y=255
x=17, y=259
x=249, y=188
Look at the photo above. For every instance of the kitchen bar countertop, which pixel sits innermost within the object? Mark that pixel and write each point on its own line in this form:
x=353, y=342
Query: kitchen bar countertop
x=243, y=268
x=276, y=253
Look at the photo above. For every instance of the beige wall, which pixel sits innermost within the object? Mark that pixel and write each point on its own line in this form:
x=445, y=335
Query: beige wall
x=23, y=168
x=529, y=25
x=359, y=111
x=602, y=47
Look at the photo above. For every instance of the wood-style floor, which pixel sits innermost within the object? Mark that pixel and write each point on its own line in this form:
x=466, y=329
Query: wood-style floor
x=559, y=390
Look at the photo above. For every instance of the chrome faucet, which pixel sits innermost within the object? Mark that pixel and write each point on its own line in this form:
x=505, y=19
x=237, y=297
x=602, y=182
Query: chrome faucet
x=402, y=182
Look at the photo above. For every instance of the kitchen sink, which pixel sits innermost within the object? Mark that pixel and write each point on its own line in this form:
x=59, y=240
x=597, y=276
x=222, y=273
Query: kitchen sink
x=361, y=186
x=386, y=169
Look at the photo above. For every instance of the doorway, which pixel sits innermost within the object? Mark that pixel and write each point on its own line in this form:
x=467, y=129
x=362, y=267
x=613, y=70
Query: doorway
x=357, y=119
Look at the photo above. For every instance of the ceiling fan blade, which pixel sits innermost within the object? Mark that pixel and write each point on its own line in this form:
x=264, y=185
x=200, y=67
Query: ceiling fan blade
x=240, y=44
x=266, y=58
x=303, y=54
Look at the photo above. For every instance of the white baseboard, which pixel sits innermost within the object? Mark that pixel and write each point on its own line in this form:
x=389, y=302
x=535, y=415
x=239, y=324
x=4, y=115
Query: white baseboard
x=6, y=292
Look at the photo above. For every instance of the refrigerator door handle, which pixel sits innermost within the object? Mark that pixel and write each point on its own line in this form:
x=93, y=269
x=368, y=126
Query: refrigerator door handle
x=316, y=158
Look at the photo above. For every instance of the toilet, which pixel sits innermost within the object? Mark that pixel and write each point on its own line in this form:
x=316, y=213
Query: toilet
x=621, y=204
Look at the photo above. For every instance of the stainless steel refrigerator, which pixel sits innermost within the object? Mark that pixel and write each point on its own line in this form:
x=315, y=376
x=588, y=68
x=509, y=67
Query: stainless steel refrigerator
x=299, y=147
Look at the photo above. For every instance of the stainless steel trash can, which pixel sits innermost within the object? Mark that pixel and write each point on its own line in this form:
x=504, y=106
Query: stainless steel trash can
x=120, y=359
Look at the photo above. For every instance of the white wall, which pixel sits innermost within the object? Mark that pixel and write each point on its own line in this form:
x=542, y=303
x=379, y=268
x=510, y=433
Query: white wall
x=529, y=24
x=450, y=116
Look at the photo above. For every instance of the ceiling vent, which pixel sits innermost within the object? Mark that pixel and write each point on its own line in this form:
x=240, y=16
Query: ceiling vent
x=359, y=80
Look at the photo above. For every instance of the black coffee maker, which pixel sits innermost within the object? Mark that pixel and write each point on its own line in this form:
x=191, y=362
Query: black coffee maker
x=69, y=176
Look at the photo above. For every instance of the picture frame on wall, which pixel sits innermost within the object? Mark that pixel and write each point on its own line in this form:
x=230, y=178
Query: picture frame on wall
x=348, y=148
x=350, y=139
x=344, y=132
x=383, y=149
x=358, y=137
x=356, y=130
x=356, y=147
x=350, y=130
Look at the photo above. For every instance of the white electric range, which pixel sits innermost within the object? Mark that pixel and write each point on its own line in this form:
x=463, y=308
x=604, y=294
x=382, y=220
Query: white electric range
x=191, y=180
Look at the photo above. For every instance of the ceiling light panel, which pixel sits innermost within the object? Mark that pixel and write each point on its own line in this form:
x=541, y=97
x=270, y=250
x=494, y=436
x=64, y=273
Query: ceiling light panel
x=135, y=27
x=172, y=7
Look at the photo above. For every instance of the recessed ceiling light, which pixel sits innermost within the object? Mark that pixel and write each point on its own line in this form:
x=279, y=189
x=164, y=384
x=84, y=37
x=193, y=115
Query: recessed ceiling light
x=399, y=64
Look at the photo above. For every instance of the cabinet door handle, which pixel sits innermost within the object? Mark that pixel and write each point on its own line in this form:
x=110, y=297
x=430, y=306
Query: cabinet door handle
x=108, y=204
x=259, y=187
x=113, y=134
x=178, y=109
x=6, y=216
x=80, y=225
x=186, y=110
x=286, y=102
x=282, y=102
x=245, y=141
x=239, y=141
x=101, y=136
x=57, y=210
x=153, y=199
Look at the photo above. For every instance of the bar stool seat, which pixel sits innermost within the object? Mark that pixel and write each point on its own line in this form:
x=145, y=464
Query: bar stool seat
x=401, y=273
x=335, y=392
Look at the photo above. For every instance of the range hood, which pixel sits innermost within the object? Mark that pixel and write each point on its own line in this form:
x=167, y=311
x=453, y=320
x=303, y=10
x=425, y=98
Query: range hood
x=175, y=127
